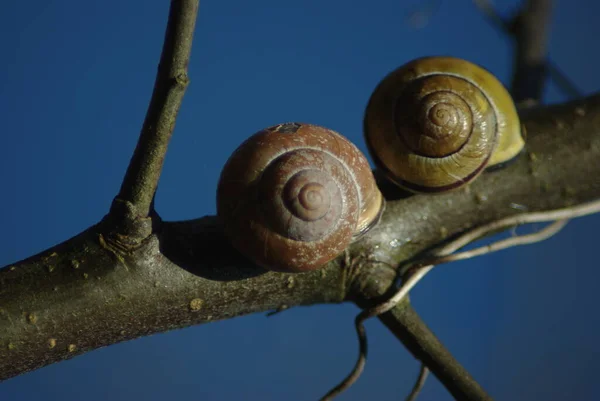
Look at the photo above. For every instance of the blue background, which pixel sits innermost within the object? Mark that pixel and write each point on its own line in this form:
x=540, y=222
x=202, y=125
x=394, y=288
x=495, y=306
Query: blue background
x=75, y=80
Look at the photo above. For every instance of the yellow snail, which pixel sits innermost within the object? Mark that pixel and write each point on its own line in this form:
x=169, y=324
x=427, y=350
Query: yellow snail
x=436, y=123
x=293, y=196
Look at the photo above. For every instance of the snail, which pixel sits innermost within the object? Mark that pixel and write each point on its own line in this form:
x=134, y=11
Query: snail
x=436, y=123
x=293, y=196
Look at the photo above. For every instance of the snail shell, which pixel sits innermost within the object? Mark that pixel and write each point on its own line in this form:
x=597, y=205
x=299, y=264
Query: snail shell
x=436, y=123
x=293, y=196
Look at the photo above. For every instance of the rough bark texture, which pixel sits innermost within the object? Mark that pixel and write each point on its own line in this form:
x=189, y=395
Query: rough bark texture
x=92, y=290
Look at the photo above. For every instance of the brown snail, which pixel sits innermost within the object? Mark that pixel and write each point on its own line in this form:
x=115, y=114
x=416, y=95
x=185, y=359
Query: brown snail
x=436, y=123
x=293, y=196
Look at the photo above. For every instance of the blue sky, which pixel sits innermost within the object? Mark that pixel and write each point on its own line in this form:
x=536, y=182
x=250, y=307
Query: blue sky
x=75, y=80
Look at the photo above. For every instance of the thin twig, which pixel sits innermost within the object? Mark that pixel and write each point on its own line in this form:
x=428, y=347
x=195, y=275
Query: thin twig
x=423, y=374
x=420, y=271
x=358, y=368
x=441, y=255
x=143, y=172
x=520, y=219
x=541, y=235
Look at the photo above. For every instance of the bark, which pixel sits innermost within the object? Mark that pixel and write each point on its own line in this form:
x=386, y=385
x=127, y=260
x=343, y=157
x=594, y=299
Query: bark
x=97, y=289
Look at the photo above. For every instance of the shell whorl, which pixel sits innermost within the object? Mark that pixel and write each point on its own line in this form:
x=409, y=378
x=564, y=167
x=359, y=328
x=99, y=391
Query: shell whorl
x=436, y=123
x=304, y=194
x=293, y=196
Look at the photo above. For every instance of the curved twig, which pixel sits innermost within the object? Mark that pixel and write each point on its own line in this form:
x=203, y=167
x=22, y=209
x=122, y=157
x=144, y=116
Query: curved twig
x=423, y=374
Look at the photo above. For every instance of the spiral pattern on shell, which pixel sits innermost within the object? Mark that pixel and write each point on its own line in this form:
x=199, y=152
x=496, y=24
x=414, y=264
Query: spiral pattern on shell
x=302, y=194
x=436, y=123
x=293, y=196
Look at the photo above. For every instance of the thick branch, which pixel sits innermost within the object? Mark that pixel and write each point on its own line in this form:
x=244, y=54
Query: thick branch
x=85, y=294
x=90, y=291
x=141, y=178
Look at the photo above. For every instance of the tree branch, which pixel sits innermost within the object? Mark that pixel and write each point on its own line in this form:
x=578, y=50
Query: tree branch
x=141, y=178
x=452, y=372
x=563, y=82
x=85, y=293
x=91, y=291
x=376, y=285
x=408, y=327
x=531, y=28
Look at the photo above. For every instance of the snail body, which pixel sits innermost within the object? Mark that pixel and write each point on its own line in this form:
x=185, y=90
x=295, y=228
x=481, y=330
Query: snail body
x=436, y=123
x=293, y=196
